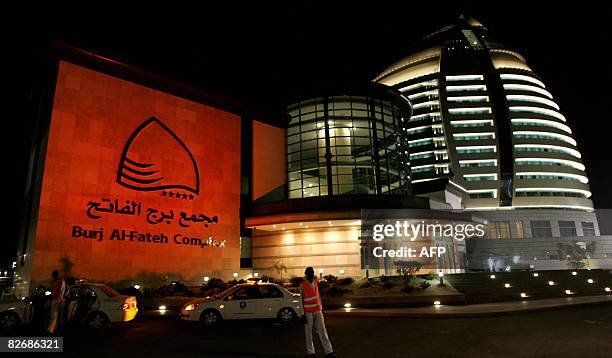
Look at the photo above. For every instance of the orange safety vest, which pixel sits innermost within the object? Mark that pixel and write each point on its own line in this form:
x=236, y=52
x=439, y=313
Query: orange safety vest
x=312, y=300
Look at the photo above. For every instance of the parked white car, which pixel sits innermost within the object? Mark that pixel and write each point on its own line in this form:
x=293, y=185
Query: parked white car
x=97, y=305
x=252, y=300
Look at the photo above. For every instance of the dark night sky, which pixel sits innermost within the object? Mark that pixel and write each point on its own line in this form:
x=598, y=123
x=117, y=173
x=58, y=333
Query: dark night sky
x=260, y=53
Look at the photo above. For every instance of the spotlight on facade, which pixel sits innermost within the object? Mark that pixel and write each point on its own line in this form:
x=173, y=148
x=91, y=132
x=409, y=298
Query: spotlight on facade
x=574, y=273
x=341, y=271
x=274, y=226
x=301, y=224
x=235, y=274
x=206, y=278
x=162, y=308
x=507, y=285
x=536, y=274
x=523, y=294
x=492, y=277
x=283, y=228
x=590, y=280
x=551, y=283
x=436, y=303
x=347, y=305
x=256, y=274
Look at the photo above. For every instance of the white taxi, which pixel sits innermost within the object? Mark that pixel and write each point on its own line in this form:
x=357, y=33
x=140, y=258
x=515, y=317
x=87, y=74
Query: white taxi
x=97, y=305
x=251, y=300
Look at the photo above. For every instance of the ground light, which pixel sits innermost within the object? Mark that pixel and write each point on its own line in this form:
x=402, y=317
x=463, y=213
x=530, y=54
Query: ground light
x=568, y=292
x=441, y=277
x=436, y=303
x=256, y=274
x=551, y=283
x=507, y=285
x=206, y=278
x=347, y=305
x=162, y=308
x=137, y=287
x=574, y=273
x=607, y=289
x=341, y=272
x=590, y=280
x=523, y=294
x=235, y=274
x=492, y=276
x=536, y=274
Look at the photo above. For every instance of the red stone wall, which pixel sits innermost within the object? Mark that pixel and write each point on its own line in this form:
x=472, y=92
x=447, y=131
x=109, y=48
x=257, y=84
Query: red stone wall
x=93, y=117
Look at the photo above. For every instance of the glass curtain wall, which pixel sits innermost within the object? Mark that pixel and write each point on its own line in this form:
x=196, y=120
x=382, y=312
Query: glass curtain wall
x=346, y=145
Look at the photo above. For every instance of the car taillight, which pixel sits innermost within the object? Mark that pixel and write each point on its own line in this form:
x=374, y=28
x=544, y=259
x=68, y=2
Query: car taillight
x=128, y=303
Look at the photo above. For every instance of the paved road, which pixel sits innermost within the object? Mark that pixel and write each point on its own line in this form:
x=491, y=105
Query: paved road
x=573, y=332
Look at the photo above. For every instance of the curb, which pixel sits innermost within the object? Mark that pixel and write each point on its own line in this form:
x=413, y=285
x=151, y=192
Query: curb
x=390, y=313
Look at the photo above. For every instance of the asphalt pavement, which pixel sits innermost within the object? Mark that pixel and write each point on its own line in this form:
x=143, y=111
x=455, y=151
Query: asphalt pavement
x=568, y=332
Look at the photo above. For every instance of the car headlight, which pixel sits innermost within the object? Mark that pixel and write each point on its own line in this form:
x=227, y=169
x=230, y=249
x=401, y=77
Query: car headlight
x=191, y=306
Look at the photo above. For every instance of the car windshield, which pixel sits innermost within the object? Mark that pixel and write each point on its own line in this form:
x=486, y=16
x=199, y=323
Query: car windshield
x=224, y=293
x=109, y=291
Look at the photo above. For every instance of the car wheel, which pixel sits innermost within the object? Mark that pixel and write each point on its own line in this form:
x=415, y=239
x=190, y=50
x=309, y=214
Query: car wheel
x=286, y=315
x=97, y=321
x=9, y=321
x=210, y=318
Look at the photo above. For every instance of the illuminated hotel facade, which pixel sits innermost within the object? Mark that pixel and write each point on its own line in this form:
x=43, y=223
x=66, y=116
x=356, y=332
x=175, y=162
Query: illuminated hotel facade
x=131, y=182
x=486, y=121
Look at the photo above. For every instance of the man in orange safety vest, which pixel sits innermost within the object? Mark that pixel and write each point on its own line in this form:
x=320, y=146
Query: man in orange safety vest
x=313, y=310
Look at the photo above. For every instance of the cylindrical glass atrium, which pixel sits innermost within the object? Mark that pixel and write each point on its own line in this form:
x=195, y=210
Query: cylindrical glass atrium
x=349, y=144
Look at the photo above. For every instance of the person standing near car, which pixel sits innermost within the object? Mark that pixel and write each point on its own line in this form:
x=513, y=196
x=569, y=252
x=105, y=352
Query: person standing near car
x=313, y=310
x=58, y=288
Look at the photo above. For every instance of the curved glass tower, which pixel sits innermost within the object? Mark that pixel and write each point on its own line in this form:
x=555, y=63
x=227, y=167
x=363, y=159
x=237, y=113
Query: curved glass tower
x=485, y=120
x=348, y=144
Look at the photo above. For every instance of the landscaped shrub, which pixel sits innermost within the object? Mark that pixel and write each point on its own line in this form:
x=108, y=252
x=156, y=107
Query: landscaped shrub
x=408, y=289
x=335, y=291
x=345, y=281
x=216, y=283
x=429, y=276
x=330, y=278
x=295, y=281
x=406, y=269
x=388, y=284
x=235, y=282
x=324, y=285
x=366, y=284
x=424, y=285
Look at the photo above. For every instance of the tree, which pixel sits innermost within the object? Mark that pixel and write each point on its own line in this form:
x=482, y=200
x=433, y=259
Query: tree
x=280, y=268
x=574, y=255
x=407, y=269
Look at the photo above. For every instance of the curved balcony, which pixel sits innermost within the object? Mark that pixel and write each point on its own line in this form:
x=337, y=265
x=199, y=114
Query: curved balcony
x=553, y=202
